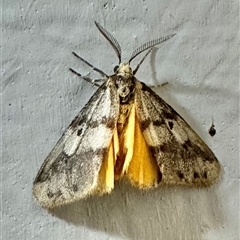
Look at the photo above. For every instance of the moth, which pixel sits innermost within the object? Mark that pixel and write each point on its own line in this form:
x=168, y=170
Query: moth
x=125, y=130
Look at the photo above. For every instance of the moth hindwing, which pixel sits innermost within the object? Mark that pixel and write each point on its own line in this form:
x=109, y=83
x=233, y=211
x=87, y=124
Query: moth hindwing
x=124, y=130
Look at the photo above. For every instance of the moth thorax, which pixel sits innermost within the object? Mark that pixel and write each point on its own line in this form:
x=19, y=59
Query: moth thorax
x=124, y=82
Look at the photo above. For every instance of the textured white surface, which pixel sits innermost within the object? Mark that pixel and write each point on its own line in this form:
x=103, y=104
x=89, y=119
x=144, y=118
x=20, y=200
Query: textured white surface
x=40, y=97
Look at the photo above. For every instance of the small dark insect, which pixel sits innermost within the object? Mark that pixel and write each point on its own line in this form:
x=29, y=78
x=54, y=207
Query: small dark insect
x=212, y=130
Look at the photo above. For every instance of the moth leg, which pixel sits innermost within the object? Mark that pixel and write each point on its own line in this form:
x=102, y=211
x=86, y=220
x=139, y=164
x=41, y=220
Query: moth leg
x=159, y=85
x=95, y=81
x=88, y=79
x=91, y=66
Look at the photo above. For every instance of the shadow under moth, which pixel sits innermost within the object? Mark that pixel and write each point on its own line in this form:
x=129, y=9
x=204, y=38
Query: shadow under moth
x=125, y=130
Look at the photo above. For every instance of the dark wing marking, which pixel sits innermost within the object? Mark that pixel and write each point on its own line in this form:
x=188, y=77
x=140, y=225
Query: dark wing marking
x=70, y=172
x=182, y=156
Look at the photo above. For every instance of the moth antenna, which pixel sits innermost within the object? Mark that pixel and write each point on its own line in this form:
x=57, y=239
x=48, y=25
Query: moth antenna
x=91, y=66
x=136, y=69
x=148, y=45
x=114, y=43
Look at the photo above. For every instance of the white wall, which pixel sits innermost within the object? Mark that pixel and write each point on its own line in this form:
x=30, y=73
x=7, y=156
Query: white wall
x=41, y=97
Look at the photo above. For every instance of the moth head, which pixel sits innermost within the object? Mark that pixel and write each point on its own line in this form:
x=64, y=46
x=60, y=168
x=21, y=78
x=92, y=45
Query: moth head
x=124, y=70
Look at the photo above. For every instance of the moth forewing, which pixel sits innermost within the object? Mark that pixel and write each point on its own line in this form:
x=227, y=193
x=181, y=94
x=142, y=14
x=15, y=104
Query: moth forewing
x=182, y=156
x=71, y=173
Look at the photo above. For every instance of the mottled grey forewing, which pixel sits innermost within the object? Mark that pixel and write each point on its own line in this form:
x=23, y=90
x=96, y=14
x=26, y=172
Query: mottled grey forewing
x=70, y=172
x=182, y=156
